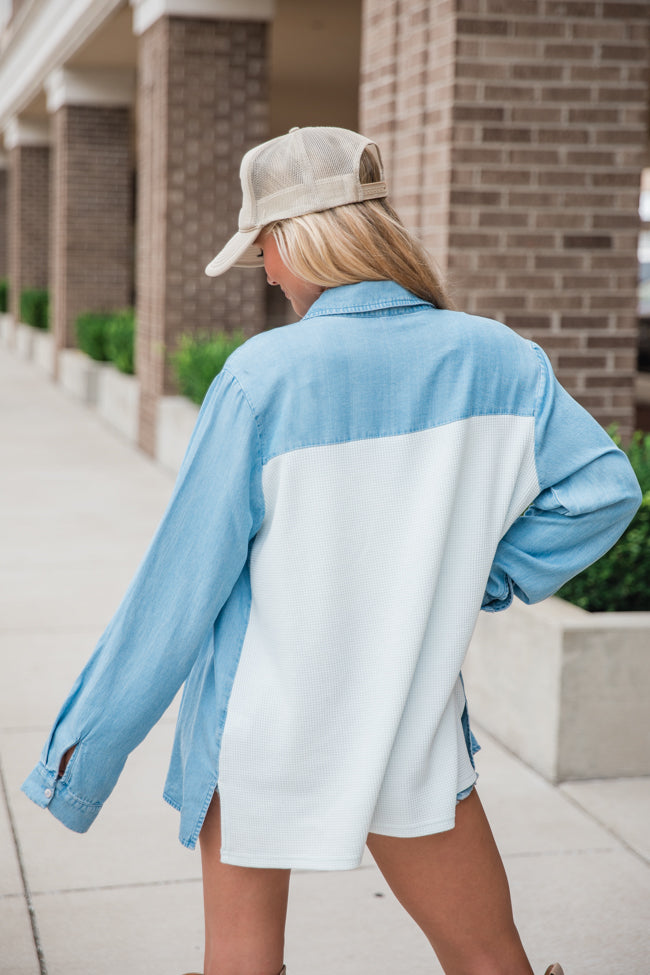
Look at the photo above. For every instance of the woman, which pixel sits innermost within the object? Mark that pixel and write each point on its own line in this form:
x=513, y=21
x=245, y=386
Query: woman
x=357, y=487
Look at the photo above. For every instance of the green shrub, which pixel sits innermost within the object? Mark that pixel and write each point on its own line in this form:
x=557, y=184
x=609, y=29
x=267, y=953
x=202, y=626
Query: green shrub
x=120, y=339
x=639, y=454
x=108, y=336
x=620, y=580
x=4, y=294
x=91, y=328
x=34, y=307
x=199, y=359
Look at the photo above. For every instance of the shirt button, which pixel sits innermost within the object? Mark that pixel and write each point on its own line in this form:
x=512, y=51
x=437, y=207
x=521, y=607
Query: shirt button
x=48, y=793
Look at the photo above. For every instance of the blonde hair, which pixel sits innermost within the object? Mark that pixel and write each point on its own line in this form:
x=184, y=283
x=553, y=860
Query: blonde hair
x=357, y=242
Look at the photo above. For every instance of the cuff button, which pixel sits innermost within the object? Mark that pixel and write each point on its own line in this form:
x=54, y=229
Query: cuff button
x=48, y=793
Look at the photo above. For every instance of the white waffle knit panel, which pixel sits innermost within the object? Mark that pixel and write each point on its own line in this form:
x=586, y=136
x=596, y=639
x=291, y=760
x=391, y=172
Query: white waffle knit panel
x=367, y=576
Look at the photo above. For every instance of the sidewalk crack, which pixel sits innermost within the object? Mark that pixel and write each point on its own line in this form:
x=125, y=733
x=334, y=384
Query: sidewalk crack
x=629, y=847
x=23, y=876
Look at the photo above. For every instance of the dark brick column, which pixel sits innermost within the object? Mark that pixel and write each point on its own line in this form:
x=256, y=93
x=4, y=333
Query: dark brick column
x=28, y=209
x=522, y=173
x=202, y=101
x=92, y=208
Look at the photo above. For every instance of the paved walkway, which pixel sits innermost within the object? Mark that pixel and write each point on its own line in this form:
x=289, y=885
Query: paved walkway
x=77, y=507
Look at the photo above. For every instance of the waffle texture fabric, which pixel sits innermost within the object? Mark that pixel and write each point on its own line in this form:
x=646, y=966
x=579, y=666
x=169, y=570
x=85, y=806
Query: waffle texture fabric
x=358, y=486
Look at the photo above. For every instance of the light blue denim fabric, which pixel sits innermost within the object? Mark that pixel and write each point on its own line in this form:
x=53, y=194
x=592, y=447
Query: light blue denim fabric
x=472, y=746
x=368, y=360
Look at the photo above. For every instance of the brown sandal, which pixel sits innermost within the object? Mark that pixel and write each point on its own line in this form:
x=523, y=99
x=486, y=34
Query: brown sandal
x=554, y=970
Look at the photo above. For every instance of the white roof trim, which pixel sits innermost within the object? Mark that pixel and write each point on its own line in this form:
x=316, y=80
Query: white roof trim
x=147, y=12
x=89, y=86
x=26, y=132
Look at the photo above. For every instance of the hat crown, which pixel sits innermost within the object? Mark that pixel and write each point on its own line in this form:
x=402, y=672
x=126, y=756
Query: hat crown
x=306, y=170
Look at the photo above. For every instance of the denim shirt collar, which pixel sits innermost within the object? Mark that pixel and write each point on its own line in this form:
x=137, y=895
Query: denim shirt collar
x=364, y=297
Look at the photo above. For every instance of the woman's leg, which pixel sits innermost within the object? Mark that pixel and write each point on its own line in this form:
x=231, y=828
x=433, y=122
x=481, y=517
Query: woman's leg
x=454, y=886
x=245, y=910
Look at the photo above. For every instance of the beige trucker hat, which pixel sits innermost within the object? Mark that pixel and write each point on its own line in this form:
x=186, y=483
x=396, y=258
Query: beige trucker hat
x=307, y=170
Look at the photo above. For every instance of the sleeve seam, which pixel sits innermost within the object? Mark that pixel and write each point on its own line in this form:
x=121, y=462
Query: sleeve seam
x=256, y=420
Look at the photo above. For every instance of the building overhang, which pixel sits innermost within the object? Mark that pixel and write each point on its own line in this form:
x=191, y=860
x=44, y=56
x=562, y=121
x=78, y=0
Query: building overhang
x=44, y=39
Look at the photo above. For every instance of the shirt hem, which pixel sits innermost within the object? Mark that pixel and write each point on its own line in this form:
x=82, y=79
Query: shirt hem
x=426, y=828
x=172, y=802
x=420, y=829
x=290, y=861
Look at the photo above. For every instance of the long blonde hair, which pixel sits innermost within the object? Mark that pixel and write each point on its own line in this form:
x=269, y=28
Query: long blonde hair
x=364, y=241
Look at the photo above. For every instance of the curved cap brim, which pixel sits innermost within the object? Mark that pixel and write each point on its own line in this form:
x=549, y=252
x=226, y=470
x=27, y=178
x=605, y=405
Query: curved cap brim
x=238, y=252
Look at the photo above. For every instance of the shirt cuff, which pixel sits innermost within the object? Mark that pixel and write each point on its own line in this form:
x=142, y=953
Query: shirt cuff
x=499, y=593
x=49, y=792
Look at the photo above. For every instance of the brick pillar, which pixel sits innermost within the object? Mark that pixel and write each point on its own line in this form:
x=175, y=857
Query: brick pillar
x=406, y=103
x=4, y=217
x=92, y=210
x=28, y=208
x=537, y=144
x=202, y=102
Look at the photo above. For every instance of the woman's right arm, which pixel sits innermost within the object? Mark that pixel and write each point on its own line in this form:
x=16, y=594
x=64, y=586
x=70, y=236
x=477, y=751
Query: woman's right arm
x=150, y=645
x=588, y=496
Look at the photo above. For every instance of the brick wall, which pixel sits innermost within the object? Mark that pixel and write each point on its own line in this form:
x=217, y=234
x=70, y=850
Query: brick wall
x=29, y=182
x=202, y=101
x=4, y=222
x=556, y=94
x=540, y=169
x=4, y=228
x=92, y=214
x=406, y=100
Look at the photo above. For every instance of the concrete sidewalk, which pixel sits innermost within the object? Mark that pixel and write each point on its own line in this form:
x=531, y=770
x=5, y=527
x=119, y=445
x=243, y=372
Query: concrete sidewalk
x=77, y=508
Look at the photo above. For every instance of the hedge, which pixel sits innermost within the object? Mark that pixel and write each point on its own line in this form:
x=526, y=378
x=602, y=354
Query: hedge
x=120, y=340
x=4, y=294
x=91, y=334
x=620, y=580
x=199, y=359
x=108, y=337
x=34, y=307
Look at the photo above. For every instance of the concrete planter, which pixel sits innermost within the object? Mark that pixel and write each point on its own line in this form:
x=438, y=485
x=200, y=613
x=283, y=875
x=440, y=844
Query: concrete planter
x=24, y=340
x=118, y=401
x=43, y=350
x=7, y=330
x=79, y=375
x=565, y=690
x=176, y=419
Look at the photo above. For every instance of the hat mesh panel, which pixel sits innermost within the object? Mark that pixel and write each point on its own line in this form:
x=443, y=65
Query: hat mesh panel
x=282, y=166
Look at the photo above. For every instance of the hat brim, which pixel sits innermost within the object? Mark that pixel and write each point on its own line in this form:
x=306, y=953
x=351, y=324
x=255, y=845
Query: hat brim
x=240, y=251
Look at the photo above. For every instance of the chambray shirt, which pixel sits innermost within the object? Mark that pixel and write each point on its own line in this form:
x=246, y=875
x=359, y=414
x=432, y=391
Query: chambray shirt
x=357, y=487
